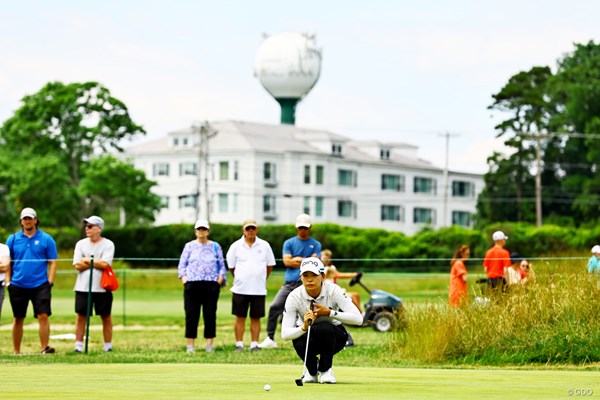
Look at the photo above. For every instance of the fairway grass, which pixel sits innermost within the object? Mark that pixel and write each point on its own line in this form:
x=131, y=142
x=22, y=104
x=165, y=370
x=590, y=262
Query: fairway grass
x=243, y=381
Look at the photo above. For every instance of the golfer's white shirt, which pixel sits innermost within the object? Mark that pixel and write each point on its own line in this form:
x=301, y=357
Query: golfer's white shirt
x=250, y=266
x=332, y=296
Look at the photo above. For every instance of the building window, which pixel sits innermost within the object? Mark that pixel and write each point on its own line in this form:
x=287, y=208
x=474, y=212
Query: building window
x=236, y=170
x=320, y=171
x=307, y=174
x=188, y=168
x=175, y=142
x=164, y=201
x=270, y=174
x=347, y=177
x=392, y=213
x=384, y=154
x=424, y=185
x=223, y=203
x=188, y=201
x=461, y=218
x=424, y=216
x=235, y=200
x=392, y=182
x=269, y=207
x=185, y=141
x=346, y=209
x=224, y=170
x=160, y=169
x=463, y=189
x=336, y=149
x=318, y=206
x=306, y=205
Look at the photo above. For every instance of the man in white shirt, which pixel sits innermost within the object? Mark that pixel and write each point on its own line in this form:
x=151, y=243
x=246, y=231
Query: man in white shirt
x=4, y=265
x=328, y=336
x=250, y=260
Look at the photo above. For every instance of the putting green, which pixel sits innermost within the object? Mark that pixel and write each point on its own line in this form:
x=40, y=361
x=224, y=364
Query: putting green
x=237, y=381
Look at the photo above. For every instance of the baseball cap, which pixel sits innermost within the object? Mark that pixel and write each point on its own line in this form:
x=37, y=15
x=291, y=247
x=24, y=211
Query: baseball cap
x=28, y=212
x=515, y=257
x=499, y=235
x=312, y=264
x=596, y=249
x=94, y=220
x=303, y=220
x=202, y=223
x=249, y=222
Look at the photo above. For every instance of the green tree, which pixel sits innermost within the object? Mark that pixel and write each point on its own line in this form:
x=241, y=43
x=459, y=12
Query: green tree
x=576, y=86
x=525, y=99
x=46, y=148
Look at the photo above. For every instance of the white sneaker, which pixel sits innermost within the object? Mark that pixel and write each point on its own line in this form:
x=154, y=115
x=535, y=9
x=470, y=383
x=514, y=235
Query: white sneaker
x=268, y=343
x=308, y=378
x=327, y=376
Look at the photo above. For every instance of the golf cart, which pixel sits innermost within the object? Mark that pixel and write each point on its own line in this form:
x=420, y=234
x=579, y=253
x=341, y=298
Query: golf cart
x=384, y=311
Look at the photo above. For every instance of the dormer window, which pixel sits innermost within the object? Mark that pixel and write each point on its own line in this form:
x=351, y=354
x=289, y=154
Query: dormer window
x=336, y=149
x=384, y=154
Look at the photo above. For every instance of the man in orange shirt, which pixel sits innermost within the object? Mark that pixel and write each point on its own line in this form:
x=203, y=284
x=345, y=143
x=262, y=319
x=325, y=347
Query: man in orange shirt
x=496, y=260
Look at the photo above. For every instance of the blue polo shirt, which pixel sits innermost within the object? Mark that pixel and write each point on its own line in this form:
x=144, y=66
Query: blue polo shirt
x=299, y=248
x=30, y=256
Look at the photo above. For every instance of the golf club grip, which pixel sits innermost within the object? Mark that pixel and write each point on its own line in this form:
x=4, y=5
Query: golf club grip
x=312, y=308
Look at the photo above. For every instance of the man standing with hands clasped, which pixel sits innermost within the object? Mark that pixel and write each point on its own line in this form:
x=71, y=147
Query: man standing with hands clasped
x=31, y=277
x=103, y=251
x=295, y=250
x=250, y=260
x=496, y=260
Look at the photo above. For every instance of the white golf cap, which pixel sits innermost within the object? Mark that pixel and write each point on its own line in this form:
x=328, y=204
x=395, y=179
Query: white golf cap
x=499, y=235
x=94, y=220
x=28, y=212
x=303, y=220
x=202, y=223
x=312, y=264
x=596, y=249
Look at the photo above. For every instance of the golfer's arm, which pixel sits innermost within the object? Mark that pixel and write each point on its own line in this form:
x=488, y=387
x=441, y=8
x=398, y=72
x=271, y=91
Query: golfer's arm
x=51, y=270
x=289, y=330
x=350, y=315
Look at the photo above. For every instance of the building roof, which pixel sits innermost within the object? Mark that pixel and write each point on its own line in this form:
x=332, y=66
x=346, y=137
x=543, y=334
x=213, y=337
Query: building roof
x=241, y=135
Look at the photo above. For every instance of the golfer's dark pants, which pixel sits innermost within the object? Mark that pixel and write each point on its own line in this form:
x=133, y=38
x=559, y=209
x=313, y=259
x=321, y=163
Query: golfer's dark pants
x=201, y=295
x=277, y=306
x=326, y=340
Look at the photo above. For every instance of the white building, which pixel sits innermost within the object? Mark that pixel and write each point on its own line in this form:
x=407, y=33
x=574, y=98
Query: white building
x=274, y=172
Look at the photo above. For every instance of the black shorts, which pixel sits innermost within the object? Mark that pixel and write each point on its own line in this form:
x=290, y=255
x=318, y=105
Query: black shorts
x=101, y=301
x=39, y=296
x=241, y=302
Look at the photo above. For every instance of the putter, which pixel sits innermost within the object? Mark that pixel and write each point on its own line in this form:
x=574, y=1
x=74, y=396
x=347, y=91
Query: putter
x=299, y=380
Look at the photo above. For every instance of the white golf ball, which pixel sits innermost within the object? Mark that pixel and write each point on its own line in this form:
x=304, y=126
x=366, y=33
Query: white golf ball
x=267, y=387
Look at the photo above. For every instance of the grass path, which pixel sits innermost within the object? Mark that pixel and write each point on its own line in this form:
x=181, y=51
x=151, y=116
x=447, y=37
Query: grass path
x=242, y=381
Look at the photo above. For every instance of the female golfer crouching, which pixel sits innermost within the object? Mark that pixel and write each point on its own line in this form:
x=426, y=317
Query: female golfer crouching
x=327, y=334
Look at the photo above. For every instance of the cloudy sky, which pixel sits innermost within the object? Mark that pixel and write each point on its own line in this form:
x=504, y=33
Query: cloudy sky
x=392, y=70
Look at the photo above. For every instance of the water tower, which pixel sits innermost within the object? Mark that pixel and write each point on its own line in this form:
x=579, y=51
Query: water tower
x=288, y=66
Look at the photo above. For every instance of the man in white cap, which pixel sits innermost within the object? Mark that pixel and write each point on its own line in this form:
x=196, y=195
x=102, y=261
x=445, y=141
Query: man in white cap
x=328, y=335
x=31, y=277
x=103, y=251
x=295, y=250
x=250, y=260
x=496, y=260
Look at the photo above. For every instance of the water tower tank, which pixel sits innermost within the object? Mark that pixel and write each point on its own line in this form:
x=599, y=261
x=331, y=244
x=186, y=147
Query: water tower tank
x=288, y=66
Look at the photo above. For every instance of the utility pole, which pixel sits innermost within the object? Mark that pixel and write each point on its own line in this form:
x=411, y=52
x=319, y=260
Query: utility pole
x=538, y=180
x=205, y=133
x=444, y=218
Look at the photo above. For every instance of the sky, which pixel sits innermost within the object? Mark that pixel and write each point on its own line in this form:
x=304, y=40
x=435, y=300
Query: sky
x=393, y=71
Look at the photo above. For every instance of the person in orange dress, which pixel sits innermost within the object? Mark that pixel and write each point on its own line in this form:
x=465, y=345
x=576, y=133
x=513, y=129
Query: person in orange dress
x=458, y=277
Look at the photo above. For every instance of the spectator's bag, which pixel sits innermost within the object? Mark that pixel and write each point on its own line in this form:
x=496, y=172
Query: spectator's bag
x=109, y=279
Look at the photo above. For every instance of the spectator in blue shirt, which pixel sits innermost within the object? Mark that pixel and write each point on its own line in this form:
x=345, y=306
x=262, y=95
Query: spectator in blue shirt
x=31, y=277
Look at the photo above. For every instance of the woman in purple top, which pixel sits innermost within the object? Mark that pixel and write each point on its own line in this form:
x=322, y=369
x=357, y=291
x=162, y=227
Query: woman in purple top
x=202, y=272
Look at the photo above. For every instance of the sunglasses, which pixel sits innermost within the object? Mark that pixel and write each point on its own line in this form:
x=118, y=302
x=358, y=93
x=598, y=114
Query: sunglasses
x=89, y=226
x=250, y=228
x=201, y=229
x=524, y=265
x=303, y=227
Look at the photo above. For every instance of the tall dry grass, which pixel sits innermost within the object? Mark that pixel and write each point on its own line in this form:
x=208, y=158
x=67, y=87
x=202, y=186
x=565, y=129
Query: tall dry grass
x=554, y=319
